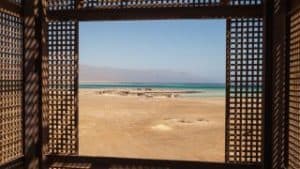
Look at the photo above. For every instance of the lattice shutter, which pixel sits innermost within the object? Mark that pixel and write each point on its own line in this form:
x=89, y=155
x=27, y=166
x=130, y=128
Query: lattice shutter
x=63, y=84
x=294, y=93
x=71, y=4
x=146, y=3
x=246, y=2
x=11, y=82
x=11, y=87
x=244, y=95
x=62, y=4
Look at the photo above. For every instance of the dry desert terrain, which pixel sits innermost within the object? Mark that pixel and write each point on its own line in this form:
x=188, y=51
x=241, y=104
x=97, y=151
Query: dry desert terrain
x=176, y=128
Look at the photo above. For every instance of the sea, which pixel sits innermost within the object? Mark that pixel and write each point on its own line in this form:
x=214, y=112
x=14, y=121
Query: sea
x=207, y=89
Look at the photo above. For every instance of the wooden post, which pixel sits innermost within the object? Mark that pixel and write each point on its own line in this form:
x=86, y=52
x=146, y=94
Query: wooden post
x=35, y=51
x=267, y=103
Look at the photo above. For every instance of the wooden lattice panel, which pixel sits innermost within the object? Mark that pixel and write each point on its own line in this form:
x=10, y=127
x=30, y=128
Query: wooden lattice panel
x=294, y=93
x=61, y=4
x=63, y=87
x=147, y=3
x=246, y=2
x=72, y=4
x=11, y=87
x=244, y=90
x=163, y=3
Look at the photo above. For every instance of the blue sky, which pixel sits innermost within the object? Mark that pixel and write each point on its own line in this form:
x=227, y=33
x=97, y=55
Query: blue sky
x=196, y=47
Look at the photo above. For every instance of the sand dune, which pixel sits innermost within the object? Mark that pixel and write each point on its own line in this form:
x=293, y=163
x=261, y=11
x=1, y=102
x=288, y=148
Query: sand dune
x=159, y=128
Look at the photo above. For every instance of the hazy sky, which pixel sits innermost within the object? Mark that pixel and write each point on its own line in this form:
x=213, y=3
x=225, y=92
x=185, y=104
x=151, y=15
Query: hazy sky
x=196, y=47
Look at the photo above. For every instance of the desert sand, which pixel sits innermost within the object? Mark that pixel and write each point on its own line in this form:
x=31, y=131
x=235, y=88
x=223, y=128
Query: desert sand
x=156, y=126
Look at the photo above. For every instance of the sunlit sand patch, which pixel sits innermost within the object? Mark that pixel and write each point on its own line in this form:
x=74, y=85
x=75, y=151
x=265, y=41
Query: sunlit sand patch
x=161, y=127
x=184, y=121
x=167, y=123
x=135, y=125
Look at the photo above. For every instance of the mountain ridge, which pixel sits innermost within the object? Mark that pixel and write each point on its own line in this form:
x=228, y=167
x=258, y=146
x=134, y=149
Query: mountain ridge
x=88, y=73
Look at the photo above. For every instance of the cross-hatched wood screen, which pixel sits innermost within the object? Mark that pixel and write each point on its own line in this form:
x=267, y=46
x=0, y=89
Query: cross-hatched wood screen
x=246, y=2
x=72, y=4
x=244, y=93
x=294, y=93
x=147, y=3
x=61, y=4
x=63, y=83
x=163, y=3
x=11, y=87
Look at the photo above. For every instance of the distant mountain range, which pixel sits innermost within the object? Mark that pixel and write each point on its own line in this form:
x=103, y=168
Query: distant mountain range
x=89, y=73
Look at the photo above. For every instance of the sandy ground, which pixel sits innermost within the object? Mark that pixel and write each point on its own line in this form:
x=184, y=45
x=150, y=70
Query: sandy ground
x=156, y=128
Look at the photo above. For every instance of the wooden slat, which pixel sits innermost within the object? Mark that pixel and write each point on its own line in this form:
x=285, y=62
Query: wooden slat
x=83, y=162
x=294, y=92
x=34, y=58
x=6, y=5
x=275, y=119
x=294, y=6
x=158, y=13
x=15, y=164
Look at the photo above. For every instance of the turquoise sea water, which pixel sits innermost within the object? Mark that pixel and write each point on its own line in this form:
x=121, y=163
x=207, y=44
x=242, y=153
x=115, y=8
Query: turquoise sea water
x=207, y=89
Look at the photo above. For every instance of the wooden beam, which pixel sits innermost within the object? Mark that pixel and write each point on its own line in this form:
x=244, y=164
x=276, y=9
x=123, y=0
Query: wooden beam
x=11, y=7
x=276, y=85
x=19, y=162
x=294, y=5
x=267, y=159
x=87, y=14
x=106, y=163
x=35, y=52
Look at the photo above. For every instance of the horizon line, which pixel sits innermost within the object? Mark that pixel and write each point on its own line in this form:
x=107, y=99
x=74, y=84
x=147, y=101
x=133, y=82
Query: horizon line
x=152, y=82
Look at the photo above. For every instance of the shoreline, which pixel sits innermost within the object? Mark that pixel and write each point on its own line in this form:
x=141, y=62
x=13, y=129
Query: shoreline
x=147, y=92
x=152, y=92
